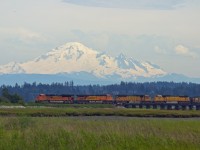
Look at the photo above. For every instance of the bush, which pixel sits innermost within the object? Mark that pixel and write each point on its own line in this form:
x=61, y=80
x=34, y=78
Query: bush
x=4, y=100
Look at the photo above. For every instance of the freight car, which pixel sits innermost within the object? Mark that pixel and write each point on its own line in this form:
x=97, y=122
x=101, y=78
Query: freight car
x=195, y=99
x=132, y=98
x=171, y=99
x=103, y=99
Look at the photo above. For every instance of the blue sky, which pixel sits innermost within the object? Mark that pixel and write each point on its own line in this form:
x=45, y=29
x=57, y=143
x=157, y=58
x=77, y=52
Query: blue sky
x=165, y=32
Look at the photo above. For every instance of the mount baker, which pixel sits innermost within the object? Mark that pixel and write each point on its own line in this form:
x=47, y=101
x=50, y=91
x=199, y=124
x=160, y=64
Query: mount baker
x=75, y=57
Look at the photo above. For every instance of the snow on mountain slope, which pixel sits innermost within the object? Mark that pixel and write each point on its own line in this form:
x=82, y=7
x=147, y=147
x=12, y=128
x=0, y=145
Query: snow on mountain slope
x=11, y=68
x=71, y=57
x=75, y=57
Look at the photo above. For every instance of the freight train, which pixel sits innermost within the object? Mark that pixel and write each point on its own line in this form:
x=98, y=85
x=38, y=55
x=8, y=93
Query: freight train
x=117, y=99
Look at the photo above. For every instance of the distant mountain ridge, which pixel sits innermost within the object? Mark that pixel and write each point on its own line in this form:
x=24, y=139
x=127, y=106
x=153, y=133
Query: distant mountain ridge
x=83, y=65
x=84, y=78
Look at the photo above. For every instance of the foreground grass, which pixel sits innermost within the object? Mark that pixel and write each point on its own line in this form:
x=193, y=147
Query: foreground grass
x=89, y=133
x=58, y=112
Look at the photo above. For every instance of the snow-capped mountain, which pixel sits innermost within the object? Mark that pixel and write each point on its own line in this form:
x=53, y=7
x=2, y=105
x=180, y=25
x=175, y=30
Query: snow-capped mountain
x=75, y=57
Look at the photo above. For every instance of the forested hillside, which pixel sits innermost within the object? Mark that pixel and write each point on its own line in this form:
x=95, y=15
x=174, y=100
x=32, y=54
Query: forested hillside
x=30, y=91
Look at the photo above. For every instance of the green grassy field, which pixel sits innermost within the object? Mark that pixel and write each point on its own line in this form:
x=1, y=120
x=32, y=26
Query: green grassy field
x=98, y=133
x=61, y=112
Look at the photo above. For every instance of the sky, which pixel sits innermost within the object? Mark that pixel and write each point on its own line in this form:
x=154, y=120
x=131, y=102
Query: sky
x=164, y=32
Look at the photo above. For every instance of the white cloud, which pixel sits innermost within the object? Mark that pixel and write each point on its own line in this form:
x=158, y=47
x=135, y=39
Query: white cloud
x=184, y=51
x=21, y=34
x=27, y=34
x=159, y=50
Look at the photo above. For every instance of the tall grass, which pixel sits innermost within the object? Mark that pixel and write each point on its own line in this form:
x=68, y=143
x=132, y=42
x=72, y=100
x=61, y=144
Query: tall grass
x=101, y=133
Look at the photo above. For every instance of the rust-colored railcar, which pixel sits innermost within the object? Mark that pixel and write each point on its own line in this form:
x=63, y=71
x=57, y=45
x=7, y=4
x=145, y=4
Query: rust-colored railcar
x=55, y=98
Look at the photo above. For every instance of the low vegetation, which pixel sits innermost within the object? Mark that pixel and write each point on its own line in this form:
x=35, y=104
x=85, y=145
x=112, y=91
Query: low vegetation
x=99, y=133
x=62, y=112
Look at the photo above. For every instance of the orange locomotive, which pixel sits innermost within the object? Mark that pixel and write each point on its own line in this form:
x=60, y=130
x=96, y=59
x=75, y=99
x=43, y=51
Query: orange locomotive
x=80, y=99
x=55, y=98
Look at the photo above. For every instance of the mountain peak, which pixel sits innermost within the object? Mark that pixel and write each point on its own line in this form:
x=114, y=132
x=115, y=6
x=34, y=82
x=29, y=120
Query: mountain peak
x=73, y=47
x=74, y=44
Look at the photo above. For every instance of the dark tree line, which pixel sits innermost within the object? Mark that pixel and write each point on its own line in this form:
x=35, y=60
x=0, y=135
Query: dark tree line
x=30, y=91
x=6, y=97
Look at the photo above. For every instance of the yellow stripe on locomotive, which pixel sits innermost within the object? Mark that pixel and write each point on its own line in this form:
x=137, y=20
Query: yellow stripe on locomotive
x=99, y=98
